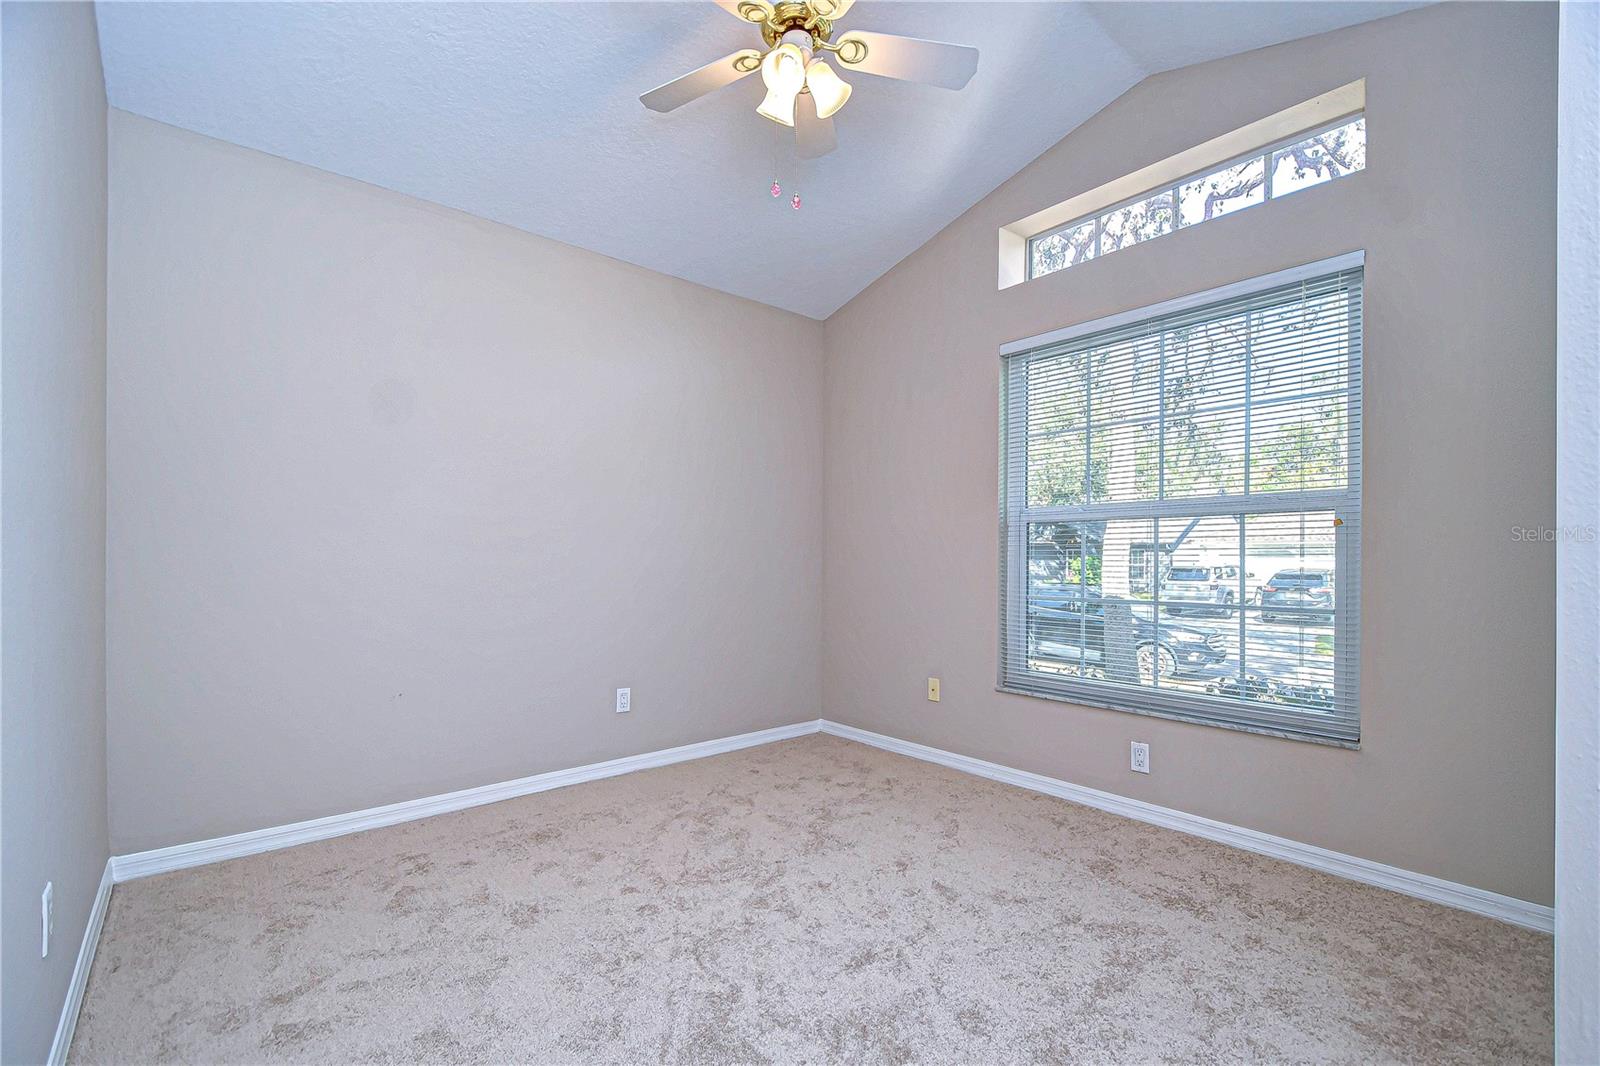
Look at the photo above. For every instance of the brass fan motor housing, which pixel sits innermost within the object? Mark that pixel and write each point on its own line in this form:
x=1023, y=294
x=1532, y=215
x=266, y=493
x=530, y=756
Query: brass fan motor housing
x=786, y=16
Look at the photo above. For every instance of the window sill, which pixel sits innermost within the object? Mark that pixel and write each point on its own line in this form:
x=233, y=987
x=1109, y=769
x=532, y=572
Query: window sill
x=1175, y=716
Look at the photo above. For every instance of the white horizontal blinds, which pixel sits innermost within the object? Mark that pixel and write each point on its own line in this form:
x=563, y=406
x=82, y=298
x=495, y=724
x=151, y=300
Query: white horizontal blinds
x=1181, y=512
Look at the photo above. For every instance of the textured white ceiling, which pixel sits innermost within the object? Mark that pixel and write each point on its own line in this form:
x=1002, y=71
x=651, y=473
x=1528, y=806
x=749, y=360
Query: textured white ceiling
x=528, y=114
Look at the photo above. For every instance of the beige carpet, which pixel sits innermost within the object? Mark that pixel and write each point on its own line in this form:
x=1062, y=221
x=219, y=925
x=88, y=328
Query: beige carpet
x=813, y=900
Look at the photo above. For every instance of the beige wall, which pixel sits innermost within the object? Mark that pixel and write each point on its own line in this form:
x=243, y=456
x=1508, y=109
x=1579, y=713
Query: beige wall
x=52, y=536
x=1456, y=214
x=398, y=497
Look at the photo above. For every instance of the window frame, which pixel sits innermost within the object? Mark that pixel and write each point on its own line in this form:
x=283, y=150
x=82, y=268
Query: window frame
x=1174, y=189
x=1344, y=502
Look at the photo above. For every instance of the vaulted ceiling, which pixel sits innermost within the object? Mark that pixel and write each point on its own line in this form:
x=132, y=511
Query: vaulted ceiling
x=528, y=114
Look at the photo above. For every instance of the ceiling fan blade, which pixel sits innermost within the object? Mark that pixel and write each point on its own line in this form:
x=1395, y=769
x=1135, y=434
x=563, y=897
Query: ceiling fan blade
x=697, y=83
x=813, y=135
x=748, y=10
x=949, y=66
x=832, y=10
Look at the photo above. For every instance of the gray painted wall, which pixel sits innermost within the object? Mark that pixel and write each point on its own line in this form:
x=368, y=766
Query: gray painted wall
x=398, y=497
x=52, y=506
x=1456, y=214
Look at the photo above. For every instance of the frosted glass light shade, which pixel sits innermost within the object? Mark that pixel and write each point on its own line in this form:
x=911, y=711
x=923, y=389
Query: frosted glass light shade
x=784, y=73
x=828, y=89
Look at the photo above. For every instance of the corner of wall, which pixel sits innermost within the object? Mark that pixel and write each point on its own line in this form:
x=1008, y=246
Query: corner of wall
x=52, y=434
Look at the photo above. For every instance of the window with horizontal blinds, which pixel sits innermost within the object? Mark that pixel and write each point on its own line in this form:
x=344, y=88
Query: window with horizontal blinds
x=1181, y=509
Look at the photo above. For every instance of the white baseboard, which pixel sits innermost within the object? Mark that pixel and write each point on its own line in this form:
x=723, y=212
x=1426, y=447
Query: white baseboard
x=1433, y=889
x=1422, y=886
x=80, y=971
x=218, y=849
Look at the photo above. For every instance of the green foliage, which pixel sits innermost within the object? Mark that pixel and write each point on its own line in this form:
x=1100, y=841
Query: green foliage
x=1307, y=454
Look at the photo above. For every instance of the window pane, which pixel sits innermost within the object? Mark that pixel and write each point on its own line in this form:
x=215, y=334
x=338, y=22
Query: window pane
x=1290, y=562
x=1201, y=576
x=1299, y=446
x=1203, y=439
x=1192, y=650
x=1122, y=616
x=1205, y=365
x=1126, y=459
x=1321, y=158
x=1288, y=650
x=1226, y=190
x=1055, y=469
x=1301, y=347
x=1062, y=249
x=1125, y=400
x=1110, y=548
x=1056, y=443
x=1125, y=378
x=1200, y=591
x=1204, y=454
x=1059, y=630
x=1137, y=222
x=1286, y=665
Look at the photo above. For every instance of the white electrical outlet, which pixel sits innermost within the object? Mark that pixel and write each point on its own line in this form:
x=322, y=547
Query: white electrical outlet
x=624, y=700
x=1139, y=758
x=47, y=917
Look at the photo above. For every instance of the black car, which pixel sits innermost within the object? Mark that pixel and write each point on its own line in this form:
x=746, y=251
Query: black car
x=1059, y=627
x=1309, y=592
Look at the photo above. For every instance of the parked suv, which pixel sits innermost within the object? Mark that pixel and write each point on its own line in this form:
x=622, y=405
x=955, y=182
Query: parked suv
x=1059, y=626
x=1309, y=590
x=1194, y=589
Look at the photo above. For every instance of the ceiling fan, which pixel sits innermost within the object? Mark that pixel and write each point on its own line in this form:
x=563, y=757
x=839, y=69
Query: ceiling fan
x=803, y=91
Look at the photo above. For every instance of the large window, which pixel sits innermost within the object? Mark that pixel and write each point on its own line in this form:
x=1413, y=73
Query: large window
x=1181, y=500
x=1269, y=173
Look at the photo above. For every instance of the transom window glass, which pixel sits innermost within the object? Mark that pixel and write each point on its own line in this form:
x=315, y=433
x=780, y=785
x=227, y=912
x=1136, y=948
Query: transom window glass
x=1271, y=173
x=1182, y=507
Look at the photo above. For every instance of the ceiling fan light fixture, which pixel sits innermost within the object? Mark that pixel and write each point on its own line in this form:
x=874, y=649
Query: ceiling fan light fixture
x=783, y=71
x=803, y=93
x=828, y=89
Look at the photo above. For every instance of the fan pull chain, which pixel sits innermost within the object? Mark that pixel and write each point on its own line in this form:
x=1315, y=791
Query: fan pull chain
x=777, y=191
x=781, y=162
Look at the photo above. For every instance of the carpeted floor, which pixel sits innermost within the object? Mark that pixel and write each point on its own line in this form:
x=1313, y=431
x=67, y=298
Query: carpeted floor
x=813, y=900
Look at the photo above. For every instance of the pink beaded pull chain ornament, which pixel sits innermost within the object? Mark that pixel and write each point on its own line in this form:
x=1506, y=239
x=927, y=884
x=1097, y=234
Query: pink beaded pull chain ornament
x=777, y=191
